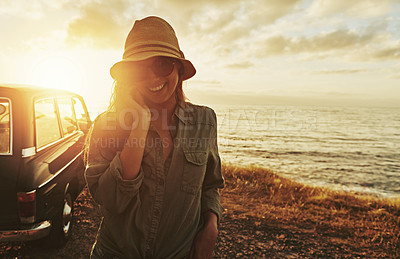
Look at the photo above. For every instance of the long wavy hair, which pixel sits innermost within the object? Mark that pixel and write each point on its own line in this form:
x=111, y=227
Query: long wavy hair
x=115, y=106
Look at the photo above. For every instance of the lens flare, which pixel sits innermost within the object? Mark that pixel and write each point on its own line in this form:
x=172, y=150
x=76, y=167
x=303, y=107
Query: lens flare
x=57, y=72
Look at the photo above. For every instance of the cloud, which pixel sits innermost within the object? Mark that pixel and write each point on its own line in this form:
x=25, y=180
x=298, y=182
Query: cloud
x=227, y=23
x=207, y=82
x=331, y=98
x=100, y=25
x=354, y=8
x=103, y=23
x=335, y=40
x=230, y=29
x=265, y=12
x=53, y=40
x=29, y=9
x=241, y=65
x=343, y=71
x=362, y=47
x=388, y=53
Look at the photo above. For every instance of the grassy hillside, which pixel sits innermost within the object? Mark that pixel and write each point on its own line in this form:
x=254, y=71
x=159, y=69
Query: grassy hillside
x=293, y=219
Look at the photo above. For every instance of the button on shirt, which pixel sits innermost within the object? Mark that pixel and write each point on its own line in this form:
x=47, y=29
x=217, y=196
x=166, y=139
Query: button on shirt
x=157, y=214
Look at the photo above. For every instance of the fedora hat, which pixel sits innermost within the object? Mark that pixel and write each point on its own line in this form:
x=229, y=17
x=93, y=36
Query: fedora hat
x=151, y=37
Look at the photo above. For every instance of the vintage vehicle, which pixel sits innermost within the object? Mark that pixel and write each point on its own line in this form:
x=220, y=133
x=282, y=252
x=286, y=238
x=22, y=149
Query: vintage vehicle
x=42, y=136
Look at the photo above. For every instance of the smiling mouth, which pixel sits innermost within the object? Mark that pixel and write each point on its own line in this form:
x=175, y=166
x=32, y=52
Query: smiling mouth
x=158, y=88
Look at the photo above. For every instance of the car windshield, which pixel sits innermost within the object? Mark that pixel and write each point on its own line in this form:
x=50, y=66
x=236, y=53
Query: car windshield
x=5, y=140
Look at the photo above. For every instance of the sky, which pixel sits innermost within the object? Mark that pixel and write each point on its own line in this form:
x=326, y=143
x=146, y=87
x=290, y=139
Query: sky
x=291, y=52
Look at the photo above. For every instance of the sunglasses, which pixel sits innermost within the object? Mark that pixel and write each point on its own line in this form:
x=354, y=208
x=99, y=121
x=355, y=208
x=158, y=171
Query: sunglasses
x=163, y=66
x=160, y=66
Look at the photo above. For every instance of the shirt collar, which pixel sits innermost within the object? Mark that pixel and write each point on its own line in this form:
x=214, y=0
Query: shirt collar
x=184, y=112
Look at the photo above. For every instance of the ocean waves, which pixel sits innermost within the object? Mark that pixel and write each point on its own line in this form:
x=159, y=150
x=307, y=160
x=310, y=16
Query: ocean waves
x=347, y=148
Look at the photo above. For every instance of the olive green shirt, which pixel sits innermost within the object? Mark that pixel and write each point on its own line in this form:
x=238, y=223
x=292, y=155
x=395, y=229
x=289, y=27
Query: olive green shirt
x=157, y=214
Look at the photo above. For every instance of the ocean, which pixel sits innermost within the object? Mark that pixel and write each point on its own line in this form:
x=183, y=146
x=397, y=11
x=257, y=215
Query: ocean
x=344, y=148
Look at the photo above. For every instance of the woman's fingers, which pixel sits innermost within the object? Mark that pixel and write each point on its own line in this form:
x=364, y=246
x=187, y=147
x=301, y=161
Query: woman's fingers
x=135, y=113
x=138, y=98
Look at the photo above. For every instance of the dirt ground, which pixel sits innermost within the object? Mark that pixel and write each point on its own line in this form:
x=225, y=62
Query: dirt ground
x=240, y=237
x=85, y=224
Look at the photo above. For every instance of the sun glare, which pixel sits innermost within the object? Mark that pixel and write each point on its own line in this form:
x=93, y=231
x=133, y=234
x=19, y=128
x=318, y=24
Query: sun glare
x=57, y=72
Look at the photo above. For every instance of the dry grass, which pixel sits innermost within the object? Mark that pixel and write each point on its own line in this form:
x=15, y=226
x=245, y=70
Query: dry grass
x=359, y=221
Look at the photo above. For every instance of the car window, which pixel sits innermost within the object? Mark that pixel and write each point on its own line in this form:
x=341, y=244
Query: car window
x=5, y=133
x=80, y=113
x=68, y=120
x=47, y=129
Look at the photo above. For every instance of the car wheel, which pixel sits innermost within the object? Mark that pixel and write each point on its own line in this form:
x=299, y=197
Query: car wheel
x=62, y=223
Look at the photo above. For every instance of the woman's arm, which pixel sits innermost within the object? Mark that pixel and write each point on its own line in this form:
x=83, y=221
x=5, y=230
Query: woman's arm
x=114, y=178
x=204, y=242
x=132, y=154
x=213, y=180
x=136, y=117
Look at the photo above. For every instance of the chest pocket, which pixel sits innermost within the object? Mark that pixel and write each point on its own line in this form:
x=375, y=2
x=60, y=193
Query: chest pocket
x=194, y=169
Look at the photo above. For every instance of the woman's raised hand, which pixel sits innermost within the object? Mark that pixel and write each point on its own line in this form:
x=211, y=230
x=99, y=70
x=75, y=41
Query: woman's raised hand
x=134, y=115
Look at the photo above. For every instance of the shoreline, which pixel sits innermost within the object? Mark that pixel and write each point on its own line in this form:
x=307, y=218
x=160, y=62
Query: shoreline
x=294, y=220
x=266, y=216
x=339, y=187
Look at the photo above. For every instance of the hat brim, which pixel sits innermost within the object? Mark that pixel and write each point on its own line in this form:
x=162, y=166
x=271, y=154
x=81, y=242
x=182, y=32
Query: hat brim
x=122, y=68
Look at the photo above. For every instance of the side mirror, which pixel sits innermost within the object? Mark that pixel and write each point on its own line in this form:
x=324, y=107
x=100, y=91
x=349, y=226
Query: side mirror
x=84, y=125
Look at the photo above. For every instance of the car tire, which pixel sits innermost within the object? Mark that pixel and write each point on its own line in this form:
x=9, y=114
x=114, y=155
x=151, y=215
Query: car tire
x=62, y=223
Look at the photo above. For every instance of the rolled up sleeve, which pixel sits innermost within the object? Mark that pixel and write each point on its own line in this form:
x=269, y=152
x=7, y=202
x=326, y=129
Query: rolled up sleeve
x=213, y=180
x=104, y=178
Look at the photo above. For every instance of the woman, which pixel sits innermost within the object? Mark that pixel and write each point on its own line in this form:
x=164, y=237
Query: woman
x=152, y=162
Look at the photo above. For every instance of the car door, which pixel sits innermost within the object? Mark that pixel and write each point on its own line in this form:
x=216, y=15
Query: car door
x=9, y=163
x=52, y=170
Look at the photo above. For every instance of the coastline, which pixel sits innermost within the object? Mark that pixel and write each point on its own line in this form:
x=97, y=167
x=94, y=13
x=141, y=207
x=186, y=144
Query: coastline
x=354, y=149
x=266, y=216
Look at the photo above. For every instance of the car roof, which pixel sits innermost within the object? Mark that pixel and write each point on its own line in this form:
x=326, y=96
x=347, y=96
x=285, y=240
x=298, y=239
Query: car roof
x=34, y=90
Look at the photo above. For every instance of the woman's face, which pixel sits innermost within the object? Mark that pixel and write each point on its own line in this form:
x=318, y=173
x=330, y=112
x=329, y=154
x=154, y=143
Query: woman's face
x=156, y=79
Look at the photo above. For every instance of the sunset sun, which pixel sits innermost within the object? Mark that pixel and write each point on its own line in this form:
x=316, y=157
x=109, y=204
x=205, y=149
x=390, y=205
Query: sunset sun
x=57, y=72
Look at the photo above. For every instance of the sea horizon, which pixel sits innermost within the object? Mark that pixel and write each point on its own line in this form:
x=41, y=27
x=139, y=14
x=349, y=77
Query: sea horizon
x=350, y=148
